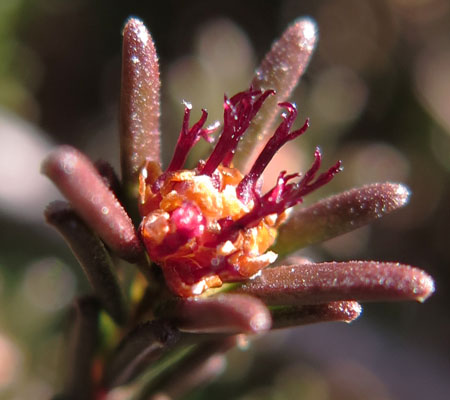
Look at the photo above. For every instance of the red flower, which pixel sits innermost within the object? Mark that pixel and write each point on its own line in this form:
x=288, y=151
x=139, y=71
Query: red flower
x=212, y=224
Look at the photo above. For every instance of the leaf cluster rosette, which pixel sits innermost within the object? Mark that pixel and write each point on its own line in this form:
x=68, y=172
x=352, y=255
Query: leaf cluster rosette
x=203, y=240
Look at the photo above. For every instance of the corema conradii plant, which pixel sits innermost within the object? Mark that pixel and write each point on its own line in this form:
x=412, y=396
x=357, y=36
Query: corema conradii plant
x=202, y=241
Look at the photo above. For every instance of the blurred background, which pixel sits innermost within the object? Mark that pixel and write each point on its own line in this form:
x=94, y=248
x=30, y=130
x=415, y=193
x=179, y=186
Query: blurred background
x=378, y=95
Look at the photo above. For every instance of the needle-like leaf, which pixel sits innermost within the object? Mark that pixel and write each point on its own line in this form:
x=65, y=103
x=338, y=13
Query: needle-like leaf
x=333, y=281
x=280, y=70
x=225, y=313
x=139, y=103
x=338, y=214
x=290, y=316
x=92, y=256
x=79, y=181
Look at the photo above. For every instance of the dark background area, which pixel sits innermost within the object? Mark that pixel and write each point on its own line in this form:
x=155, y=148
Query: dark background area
x=378, y=94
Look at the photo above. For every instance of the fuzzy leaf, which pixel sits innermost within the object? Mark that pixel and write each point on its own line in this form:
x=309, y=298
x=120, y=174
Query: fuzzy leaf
x=139, y=103
x=338, y=214
x=334, y=281
x=280, y=70
x=79, y=181
x=92, y=256
x=226, y=313
x=290, y=316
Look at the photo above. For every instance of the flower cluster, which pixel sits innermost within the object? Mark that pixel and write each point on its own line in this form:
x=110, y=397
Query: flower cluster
x=207, y=226
x=212, y=224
